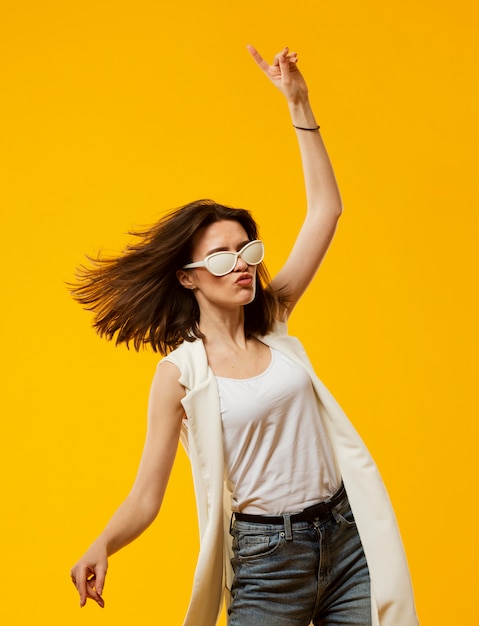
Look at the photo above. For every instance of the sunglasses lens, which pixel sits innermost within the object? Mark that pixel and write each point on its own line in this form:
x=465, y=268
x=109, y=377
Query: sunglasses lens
x=221, y=263
x=253, y=253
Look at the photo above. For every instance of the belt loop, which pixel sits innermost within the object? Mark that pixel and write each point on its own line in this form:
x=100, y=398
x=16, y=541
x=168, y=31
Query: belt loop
x=287, y=527
x=231, y=522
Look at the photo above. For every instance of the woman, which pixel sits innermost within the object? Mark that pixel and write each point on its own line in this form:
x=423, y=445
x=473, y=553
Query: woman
x=244, y=399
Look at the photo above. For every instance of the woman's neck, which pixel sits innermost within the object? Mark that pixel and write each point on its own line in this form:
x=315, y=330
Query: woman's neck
x=223, y=328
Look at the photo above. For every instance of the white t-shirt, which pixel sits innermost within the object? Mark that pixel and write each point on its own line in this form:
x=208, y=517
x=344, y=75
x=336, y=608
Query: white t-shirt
x=277, y=454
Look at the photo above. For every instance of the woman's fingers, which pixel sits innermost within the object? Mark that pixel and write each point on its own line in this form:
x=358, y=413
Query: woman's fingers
x=80, y=583
x=88, y=574
x=284, y=66
x=264, y=65
x=88, y=584
x=281, y=56
x=100, y=578
x=281, y=60
x=93, y=593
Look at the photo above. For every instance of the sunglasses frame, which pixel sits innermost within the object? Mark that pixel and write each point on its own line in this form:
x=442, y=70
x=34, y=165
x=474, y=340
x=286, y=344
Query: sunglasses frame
x=205, y=261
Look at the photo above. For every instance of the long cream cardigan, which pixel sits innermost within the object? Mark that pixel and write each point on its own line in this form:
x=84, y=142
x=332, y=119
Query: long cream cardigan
x=392, y=596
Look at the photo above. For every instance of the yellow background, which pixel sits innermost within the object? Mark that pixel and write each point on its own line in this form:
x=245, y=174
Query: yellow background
x=113, y=112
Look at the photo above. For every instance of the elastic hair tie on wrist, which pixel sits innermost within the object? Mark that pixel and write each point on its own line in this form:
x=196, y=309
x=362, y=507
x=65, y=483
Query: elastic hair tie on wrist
x=302, y=128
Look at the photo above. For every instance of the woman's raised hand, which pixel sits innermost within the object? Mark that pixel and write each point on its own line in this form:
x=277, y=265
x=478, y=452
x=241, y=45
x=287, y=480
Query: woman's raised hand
x=283, y=73
x=88, y=575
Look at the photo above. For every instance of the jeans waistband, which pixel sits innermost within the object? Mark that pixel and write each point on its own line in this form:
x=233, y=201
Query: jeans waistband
x=321, y=511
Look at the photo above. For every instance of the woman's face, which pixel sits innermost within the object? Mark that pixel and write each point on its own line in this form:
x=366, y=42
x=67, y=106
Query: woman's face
x=225, y=292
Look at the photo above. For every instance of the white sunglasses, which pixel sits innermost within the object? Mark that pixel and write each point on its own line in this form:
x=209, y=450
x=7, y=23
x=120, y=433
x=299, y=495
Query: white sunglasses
x=222, y=263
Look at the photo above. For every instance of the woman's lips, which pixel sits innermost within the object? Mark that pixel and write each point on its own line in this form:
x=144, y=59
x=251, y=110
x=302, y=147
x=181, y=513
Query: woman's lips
x=244, y=280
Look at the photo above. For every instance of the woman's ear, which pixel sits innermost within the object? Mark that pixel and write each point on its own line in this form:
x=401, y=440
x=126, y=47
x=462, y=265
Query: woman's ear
x=185, y=279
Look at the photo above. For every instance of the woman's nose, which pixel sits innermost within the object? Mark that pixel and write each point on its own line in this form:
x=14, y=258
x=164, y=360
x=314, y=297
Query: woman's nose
x=241, y=265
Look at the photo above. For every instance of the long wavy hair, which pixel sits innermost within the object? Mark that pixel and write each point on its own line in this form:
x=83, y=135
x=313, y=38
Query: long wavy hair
x=137, y=298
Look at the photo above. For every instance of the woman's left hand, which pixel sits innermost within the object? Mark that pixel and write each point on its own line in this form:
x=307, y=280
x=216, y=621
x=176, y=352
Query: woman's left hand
x=283, y=73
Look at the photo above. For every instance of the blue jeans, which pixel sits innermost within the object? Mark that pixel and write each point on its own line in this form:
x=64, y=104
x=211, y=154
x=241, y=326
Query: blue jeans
x=294, y=574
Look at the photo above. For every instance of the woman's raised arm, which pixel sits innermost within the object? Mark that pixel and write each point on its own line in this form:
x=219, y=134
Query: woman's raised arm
x=140, y=508
x=322, y=193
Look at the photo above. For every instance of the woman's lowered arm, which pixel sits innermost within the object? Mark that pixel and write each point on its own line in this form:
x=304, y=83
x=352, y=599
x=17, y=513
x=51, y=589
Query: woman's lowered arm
x=141, y=506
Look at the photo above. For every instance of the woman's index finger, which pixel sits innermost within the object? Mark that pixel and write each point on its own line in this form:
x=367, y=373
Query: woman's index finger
x=264, y=65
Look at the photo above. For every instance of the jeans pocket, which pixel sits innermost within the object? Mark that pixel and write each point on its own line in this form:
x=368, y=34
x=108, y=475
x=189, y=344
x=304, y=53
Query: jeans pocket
x=345, y=514
x=247, y=546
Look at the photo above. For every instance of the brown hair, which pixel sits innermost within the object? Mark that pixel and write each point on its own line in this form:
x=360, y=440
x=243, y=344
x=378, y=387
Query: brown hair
x=138, y=297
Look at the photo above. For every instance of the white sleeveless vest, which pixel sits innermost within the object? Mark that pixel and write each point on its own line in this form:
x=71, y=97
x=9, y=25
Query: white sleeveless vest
x=391, y=590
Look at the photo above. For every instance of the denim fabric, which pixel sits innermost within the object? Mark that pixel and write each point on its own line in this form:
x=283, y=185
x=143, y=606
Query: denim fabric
x=294, y=574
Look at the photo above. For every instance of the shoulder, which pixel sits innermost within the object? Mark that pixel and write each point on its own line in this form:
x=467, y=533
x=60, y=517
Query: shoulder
x=167, y=391
x=280, y=339
x=280, y=329
x=189, y=360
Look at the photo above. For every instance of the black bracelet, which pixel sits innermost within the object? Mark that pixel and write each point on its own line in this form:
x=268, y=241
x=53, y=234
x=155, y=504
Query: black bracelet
x=302, y=128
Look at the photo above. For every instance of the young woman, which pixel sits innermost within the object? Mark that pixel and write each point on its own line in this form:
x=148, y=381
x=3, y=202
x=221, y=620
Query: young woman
x=276, y=463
